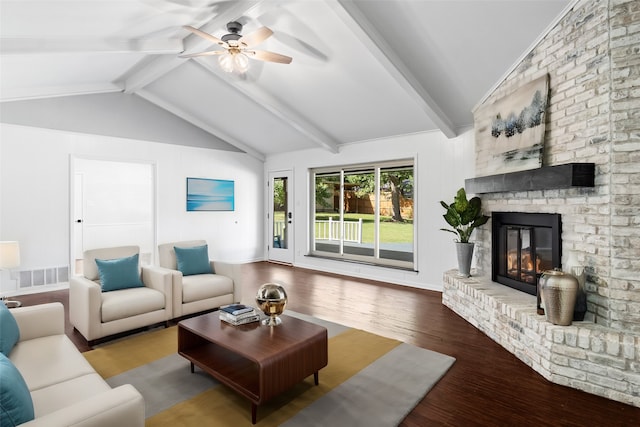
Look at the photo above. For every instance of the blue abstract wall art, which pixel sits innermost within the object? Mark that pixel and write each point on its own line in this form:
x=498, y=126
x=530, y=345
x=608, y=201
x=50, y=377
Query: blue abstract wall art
x=210, y=195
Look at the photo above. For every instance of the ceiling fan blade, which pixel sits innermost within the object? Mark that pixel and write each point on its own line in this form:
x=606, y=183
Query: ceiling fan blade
x=257, y=37
x=206, y=36
x=269, y=56
x=206, y=53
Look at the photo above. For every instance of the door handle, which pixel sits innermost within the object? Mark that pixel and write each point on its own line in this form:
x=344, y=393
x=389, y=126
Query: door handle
x=78, y=221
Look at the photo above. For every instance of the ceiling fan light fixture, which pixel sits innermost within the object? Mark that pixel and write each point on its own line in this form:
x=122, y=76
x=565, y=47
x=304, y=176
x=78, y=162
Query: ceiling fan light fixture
x=241, y=62
x=236, y=55
x=226, y=62
x=234, y=61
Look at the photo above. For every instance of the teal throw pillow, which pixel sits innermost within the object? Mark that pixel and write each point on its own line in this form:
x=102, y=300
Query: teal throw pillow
x=16, y=405
x=194, y=260
x=119, y=273
x=9, y=332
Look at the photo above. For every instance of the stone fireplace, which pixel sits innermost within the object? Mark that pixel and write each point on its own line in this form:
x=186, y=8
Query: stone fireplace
x=592, y=117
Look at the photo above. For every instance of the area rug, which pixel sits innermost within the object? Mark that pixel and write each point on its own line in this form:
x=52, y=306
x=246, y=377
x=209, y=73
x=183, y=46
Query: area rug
x=370, y=381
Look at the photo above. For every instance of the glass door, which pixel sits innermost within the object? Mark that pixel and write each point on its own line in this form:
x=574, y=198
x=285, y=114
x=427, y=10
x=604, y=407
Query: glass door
x=280, y=217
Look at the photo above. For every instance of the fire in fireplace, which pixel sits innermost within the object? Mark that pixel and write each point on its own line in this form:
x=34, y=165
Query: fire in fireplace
x=523, y=246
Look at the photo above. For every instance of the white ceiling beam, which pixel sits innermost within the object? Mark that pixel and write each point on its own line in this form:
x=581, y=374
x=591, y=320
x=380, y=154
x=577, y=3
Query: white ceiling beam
x=156, y=100
x=29, y=45
x=11, y=94
x=153, y=70
x=159, y=67
x=391, y=61
x=270, y=103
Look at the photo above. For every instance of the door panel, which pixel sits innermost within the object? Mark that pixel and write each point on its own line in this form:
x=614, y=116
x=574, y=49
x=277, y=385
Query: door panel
x=114, y=205
x=281, y=217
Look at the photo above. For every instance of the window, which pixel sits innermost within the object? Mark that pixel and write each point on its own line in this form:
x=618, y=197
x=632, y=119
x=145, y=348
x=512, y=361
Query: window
x=365, y=213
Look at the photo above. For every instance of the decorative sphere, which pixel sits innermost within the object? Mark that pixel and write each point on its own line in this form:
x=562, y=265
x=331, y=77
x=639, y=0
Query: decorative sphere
x=271, y=299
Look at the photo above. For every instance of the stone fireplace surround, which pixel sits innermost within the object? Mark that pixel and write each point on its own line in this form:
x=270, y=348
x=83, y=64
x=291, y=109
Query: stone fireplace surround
x=590, y=56
x=585, y=355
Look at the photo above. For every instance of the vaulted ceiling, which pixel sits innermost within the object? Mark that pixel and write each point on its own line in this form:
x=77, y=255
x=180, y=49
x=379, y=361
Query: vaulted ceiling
x=361, y=69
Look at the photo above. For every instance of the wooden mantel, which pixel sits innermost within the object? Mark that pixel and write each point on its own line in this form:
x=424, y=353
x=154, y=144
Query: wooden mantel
x=545, y=178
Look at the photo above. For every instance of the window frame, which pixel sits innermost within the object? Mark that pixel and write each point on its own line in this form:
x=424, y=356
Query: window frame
x=342, y=171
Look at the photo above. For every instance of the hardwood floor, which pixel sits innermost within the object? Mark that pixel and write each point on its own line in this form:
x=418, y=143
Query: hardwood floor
x=487, y=386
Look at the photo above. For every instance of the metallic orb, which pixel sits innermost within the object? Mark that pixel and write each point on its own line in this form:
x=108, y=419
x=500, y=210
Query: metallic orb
x=271, y=299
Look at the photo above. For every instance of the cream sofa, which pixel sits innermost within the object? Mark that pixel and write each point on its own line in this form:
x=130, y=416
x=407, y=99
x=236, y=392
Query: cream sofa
x=96, y=314
x=64, y=387
x=200, y=292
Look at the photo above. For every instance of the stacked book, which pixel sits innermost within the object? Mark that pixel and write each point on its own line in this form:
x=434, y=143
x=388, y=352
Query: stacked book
x=239, y=314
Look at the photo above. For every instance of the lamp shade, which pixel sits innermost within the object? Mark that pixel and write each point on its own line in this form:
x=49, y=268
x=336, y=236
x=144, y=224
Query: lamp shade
x=9, y=254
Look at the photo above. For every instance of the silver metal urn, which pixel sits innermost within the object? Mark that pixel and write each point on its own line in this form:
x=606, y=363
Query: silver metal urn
x=558, y=292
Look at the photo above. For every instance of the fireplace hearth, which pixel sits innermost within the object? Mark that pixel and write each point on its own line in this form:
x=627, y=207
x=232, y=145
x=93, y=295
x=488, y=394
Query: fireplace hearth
x=523, y=246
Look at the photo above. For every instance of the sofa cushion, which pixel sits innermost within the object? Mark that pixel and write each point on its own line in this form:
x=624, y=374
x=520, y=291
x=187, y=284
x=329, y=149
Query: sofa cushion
x=167, y=252
x=119, y=273
x=16, y=406
x=193, y=260
x=130, y=302
x=9, y=331
x=89, y=267
x=49, y=360
x=203, y=286
x=52, y=398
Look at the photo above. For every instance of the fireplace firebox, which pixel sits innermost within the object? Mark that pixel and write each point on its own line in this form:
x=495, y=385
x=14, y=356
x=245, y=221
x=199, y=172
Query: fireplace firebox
x=523, y=246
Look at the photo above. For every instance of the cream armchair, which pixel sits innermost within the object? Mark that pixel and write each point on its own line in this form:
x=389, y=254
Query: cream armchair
x=194, y=293
x=97, y=312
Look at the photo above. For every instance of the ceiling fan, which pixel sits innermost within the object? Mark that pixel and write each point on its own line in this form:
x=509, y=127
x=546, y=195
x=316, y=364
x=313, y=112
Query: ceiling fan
x=238, y=48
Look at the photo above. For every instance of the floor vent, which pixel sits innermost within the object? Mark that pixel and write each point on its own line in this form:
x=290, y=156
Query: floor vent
x=41, y=277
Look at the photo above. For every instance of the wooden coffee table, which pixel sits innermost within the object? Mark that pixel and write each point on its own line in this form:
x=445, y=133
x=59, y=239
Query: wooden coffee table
x=257, y=361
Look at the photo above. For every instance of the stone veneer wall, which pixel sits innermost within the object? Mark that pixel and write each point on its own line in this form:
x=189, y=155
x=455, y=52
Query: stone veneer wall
x=592, y=58
x=585, y=355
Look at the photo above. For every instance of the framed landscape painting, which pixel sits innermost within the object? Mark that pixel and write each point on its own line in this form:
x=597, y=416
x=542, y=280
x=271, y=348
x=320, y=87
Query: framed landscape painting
x=210, y=195
x=512, y=128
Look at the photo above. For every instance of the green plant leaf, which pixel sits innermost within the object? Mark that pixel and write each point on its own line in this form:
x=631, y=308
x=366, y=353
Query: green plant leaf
x=460, y=202
x=464, y=215
x=472, y=211
x=452, y=217
x=450, y=231
x=475, y=203
x=482, y=220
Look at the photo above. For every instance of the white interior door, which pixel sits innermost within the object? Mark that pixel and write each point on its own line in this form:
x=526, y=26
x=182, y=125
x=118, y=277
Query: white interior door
x=281, y=216
x=116, y=207
x=77, y=216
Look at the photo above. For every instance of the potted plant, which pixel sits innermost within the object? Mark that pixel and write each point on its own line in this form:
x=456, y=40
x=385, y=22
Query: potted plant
x=464, y=216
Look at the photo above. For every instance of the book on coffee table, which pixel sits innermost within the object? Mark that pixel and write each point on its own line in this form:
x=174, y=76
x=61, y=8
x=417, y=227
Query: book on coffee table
x=239, y=314
x=236, y=309
x=241, y=319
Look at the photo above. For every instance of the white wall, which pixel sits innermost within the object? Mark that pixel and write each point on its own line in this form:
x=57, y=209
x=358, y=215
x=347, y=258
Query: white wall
x=35, y=192
x=35, y=188
x=442, y=165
